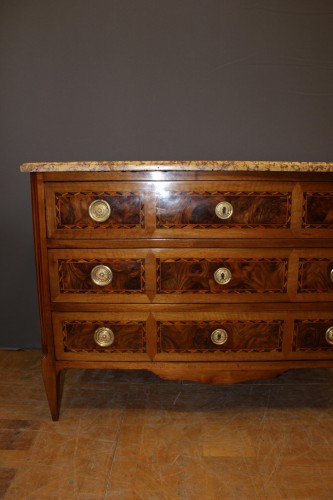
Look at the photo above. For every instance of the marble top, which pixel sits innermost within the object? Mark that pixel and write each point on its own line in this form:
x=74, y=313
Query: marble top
x=119, y=166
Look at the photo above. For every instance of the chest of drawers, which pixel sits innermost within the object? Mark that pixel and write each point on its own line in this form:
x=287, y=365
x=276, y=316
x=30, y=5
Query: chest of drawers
x=217, y=272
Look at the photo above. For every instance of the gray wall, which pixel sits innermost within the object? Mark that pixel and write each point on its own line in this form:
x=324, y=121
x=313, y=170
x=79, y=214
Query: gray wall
x=151, y=79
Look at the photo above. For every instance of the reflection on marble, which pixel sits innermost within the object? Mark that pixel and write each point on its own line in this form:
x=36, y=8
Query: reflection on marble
x=130, y=435
x=142, y=166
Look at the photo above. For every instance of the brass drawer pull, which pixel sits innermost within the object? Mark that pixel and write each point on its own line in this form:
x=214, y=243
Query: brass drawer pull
x=101, y=275
x=224, y=210
x=329, y=335
x=104, y=337
x=99, y=210
x=222, y=275
x=219, y=336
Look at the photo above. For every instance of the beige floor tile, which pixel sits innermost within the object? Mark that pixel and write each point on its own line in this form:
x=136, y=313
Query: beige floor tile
x=132, y=436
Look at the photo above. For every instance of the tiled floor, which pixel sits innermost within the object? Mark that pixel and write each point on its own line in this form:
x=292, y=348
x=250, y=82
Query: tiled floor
x=130, y=436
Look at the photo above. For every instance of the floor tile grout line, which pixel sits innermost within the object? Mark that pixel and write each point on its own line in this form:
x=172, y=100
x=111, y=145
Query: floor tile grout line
x=108, y=479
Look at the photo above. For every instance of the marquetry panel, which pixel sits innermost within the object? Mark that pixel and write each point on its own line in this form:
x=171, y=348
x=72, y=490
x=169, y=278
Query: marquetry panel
x=242, y=336
x=75, y=276
x=248, y=275
x=318, y=210
x=100, y=275
x=309, y=335
x=315, y=275
x=196, y=209
x=129, y=336
x=72, y=210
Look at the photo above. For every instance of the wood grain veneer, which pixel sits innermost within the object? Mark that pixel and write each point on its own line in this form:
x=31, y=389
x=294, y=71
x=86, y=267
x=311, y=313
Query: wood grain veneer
x=163, y=242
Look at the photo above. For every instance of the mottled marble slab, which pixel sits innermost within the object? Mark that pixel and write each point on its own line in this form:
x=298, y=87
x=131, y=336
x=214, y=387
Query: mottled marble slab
x=118, y=166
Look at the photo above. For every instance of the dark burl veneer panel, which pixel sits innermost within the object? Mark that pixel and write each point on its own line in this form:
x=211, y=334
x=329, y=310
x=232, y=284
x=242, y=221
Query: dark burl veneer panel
x=314, y=275
x=197, y=275
x=195, y=209
x=72, y=210
x=78, y=336
x=309, y=335
x=128, y=276
x=194, y=336
x=318, y=210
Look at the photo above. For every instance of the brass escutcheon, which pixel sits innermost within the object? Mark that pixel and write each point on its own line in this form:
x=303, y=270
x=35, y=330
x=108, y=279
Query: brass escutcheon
x=331, y=275
x=222, y=275
x=99, y=210
x=101, y=275
x=224, y=210
x=219, y=336
x=103, y=336
x=329, y=335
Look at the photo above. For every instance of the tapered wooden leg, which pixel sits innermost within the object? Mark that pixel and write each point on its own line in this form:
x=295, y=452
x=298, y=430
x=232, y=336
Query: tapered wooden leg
x=52, y=385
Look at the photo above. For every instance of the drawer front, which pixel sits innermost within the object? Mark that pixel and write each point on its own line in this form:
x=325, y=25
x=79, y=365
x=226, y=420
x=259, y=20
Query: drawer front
x=318, y=210
x=312, y=335
x=211, y=206
x=315, y=275
x=95, y=210
x=222, y=275
x=93, y=335
x=219, y=336
x=77, y=275
x=98, y=275
x=100, y=210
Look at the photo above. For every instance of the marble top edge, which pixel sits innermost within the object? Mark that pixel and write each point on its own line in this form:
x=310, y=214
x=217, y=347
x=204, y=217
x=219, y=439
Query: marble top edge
x=141, y=166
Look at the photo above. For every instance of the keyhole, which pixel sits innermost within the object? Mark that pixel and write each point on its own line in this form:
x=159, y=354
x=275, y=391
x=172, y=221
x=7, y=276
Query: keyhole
x=222, y=276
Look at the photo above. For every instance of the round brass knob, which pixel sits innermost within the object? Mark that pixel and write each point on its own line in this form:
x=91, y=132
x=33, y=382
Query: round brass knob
x=99, y=210
x=224, y=210
x=329, y=335
x=219, y=336
x=222, y=275
x=104, y=336
x=101, y=275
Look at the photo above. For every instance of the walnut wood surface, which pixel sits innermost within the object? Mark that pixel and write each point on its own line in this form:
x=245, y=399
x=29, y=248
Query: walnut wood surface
x=75, y=276
x=195, y=209
x=197, y=275
x=129, y=336
x=205, y=372
x=318, y=210
x=72, y=210
x=164, y=209
x=314, y=275
x=48, y=361
x=163, y=243
x=247, y=336
x=309, y=335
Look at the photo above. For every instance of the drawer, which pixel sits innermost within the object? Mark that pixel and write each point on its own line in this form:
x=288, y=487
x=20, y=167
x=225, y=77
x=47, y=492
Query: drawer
x=95, y=210
x=227, y=275
x=312, y=335
x=220, y=335
x=98, y=275
x=318, y=208
x=211, y=336
x=161, y=276
x=315, y=275
x=100, y=210
x=96, y=335
x=223, y=206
